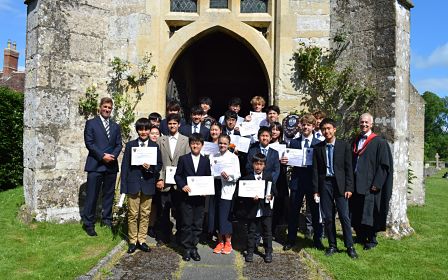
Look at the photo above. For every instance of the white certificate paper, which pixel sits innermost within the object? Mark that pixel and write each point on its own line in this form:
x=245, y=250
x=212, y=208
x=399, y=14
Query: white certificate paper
x=257, y=117
x=201, y=185
x=141, y=155
x=241, y=143
x=209, y=148
x=170, y=171
x=295, y=157
x=249, y=128
x=219, y=165
x=251, y=188
x=280, y=148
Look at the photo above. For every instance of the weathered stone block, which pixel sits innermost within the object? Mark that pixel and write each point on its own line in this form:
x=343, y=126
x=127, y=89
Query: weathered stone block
x=86, y=48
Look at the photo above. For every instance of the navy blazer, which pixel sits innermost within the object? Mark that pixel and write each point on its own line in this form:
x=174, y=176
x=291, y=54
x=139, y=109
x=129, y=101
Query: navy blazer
x=185, y=168
x=164, y=126
x=247, y=207
x=342, y=166
x=186, y=130
x=272, y=162
x=135, y=179
x=96, y=141
x=302, y=177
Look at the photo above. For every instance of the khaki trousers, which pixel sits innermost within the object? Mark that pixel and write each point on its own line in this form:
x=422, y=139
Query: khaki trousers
x=138, y=217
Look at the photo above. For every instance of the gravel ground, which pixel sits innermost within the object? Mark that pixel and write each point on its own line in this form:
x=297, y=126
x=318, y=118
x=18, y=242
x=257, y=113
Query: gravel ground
x=158, y=264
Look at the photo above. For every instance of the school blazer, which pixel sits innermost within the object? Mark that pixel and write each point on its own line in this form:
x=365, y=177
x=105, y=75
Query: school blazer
x=272, y=162
x=97, y=142
x=135, y=179
x=186, y=130
x=185, y=168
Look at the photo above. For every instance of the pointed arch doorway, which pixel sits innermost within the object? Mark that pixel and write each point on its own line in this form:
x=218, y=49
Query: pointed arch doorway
x=219, y=66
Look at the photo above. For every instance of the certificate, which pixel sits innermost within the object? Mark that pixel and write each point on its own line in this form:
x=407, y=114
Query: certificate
x=251, y=188
x=280, y=148
x=241, y=143
x=308, y=156
x=295, y=157
x=257, y=117
x=209, y=148
x=201, y=185
x=141, y=155
x=219, y=165
x=170, y=171
x=249, y=128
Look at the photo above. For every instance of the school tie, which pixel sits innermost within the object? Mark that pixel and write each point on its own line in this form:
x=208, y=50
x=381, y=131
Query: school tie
x=229, y=132
x=107, y=128
x=258, y=178
x=317, y=135
x=330, y=159
x=264, y=151
x=142, y=144
x=195, y=128
x=307, y=143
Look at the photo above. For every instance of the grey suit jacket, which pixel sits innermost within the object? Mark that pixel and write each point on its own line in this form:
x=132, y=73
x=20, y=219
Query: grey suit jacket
x=182, y=148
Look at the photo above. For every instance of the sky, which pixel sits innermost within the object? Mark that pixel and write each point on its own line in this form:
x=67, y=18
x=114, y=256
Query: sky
x=429, y=40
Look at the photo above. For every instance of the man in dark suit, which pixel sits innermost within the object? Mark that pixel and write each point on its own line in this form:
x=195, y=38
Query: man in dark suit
x=230, y=120
x=373, y=169
x=272, y=162
x=333, y=184
x=102, y=137
x=195, y=126
x=138, y=182
x=191, y=207
x=256, y=211
x=301, y=186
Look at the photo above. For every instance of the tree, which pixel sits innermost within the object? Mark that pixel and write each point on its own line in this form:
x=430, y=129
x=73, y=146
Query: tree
x=436, y=125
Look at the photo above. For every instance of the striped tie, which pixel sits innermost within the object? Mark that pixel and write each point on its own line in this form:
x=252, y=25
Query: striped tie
x=107, y=128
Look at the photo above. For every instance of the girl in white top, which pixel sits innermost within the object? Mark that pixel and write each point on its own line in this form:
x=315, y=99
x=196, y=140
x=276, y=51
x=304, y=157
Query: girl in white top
x=229, y=177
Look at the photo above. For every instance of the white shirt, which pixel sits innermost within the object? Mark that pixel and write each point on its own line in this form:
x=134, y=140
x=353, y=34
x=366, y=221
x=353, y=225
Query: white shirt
x=259, y=177
x=318, y=134
x=103, y=120
x=173, y=143
x=228, y=186
x=145, y=143
x=195, y=161
x=198, y=127
x=310, y=138
x=362, y=139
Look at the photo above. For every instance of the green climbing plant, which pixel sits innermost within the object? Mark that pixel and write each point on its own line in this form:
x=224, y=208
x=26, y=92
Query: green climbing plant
x=329, y=87
x=125, y=88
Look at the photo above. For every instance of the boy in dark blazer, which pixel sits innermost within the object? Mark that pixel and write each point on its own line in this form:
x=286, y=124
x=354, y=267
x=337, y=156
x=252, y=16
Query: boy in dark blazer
x=333, y=184
x=138, y=182
x=191, y=207
x=102, y=137
x=195, y=125
x=255, y=210
x=301, y=186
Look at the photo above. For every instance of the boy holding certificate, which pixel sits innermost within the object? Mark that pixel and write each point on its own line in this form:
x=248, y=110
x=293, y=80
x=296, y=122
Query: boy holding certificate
x=138, y=182
x=256, y=209
x=191, y=207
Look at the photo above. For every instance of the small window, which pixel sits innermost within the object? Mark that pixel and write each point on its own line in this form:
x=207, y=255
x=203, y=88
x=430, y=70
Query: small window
x=254, y=6
x=219, y=4
x=186, y=6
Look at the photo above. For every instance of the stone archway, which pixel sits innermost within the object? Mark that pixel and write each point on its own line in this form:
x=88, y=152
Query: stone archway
x=220, y=66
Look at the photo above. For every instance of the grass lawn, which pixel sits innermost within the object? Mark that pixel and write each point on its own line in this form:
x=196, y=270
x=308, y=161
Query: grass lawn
x=44, y=250
x=424, y=255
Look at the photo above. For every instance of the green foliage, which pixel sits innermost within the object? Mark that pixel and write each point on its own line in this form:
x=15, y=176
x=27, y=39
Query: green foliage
x=125, y=88
x=46, y=250
x=411, y=177
x=436, y=124
x=11, y=138
x=330, y=88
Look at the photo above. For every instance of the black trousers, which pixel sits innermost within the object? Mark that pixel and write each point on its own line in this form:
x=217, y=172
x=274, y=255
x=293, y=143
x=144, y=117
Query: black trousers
x=331, y=200
x=266, y=232
x=295, y=203
x=163, y=224
x=97, y=181
x=192, y=215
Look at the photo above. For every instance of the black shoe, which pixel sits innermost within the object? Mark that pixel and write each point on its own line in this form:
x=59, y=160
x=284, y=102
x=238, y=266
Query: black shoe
x=132, y=247
x=249, y=257
x=144, y=247
x=288, y=246
x=319, y=246
x=369, y=246
x=186, y=256
x=195, y=255
x=89, y=230
x=331, y=251
x=352, y=253
x=268, y=258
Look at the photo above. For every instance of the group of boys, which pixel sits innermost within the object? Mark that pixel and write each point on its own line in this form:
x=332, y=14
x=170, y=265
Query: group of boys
x=361, y=173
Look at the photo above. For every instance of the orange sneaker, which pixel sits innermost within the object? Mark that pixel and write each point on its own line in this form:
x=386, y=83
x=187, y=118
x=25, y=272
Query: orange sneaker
x=227, y=248
x=218, y=248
